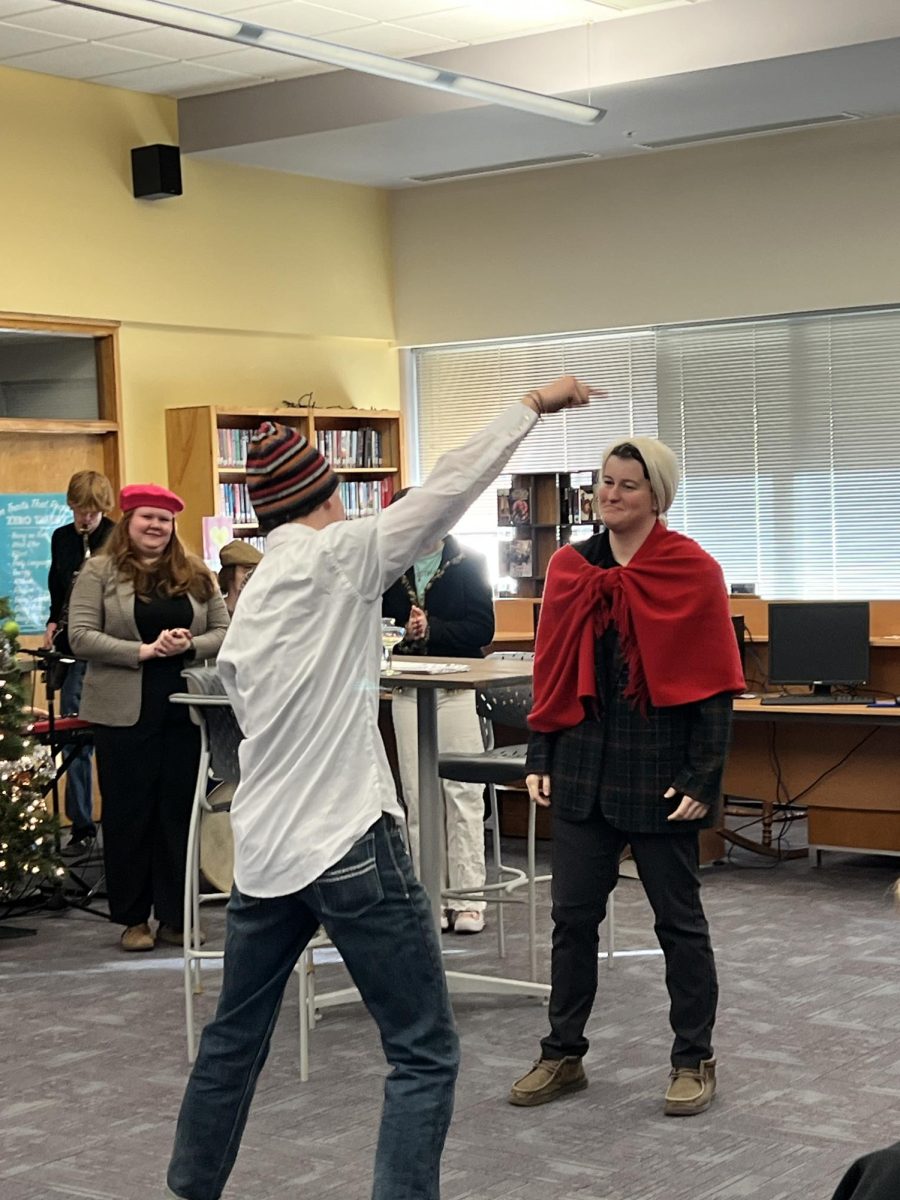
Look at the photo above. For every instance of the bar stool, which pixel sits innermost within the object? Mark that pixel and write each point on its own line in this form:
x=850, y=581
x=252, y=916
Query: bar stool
x=220, y=737
x=495, y=766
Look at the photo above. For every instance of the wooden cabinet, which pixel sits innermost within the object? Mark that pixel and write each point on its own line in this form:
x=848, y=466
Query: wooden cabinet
x=206, y=447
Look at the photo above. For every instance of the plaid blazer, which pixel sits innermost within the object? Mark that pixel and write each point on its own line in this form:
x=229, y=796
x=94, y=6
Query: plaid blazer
x=621, y=761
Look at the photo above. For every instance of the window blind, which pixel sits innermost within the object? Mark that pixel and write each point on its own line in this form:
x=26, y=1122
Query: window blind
x=786, y=428
x=460, y=388
x=789, y=441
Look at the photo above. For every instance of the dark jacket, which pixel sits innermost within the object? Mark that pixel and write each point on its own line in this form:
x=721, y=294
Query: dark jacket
x=66, y=557
x=873, y=1177
x=457, y=602
x=620, y=762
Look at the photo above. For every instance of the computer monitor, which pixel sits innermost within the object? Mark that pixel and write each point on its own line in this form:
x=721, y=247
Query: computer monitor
x=820, y=643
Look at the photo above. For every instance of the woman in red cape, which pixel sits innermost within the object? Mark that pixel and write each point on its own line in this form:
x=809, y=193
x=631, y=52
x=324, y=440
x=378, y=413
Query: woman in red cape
x=636, y=664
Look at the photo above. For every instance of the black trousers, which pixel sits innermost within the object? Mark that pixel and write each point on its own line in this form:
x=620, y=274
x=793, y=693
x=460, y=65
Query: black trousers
x=585, y=871
x=147, y=773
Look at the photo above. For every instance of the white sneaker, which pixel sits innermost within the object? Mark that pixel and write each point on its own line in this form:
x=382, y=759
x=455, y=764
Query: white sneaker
x=445, y=920
x=470, y=920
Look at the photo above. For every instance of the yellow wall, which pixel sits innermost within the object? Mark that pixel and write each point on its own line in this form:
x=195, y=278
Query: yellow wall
x=250, y=289
x=780, y=224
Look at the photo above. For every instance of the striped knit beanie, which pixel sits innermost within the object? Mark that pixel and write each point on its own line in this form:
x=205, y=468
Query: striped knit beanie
x=286, y=476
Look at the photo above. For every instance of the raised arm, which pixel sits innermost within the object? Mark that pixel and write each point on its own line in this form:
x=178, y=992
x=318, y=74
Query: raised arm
x=403, y=532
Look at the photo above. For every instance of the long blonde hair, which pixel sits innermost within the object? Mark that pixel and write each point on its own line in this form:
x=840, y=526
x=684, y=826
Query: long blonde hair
x=175, y=572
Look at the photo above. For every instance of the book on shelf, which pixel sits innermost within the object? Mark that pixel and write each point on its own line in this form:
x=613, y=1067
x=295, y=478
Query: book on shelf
x=217, y=532
x=503, y=514
x=234, y=502
x=513, y=506
x=586, y=505
x=366, y=498
x=233, y=445
x=349, y=448
x=520, y=558
x=520, y=506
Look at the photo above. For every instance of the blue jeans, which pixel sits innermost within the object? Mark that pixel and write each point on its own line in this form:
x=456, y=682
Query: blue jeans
x=378, y=915
x=79, y=777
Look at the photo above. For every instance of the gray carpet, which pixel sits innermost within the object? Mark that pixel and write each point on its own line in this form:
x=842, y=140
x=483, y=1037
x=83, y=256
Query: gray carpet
x=808, y=1041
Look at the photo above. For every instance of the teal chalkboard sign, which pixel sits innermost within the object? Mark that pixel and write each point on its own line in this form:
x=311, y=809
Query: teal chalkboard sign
x=26, y=522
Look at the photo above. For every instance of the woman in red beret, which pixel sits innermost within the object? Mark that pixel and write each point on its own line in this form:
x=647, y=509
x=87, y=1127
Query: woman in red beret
x=139, y=612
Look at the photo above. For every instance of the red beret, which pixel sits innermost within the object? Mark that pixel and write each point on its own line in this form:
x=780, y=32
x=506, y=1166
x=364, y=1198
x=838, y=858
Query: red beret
x=149, y=495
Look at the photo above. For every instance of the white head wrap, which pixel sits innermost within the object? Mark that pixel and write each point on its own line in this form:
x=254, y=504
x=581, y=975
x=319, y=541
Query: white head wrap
x=662, y=467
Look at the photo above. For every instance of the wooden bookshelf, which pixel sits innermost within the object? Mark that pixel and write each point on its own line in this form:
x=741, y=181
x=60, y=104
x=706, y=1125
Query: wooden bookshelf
x=552, y=520
x=196, y=470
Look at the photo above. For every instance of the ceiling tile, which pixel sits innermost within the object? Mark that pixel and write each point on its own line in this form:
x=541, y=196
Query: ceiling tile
x=389, y=10
x=175, y=78
x=500, y=19
x=9, y=8
x=295, y=17
x=14, y=40
x=73, y=22
x=169, y=43
x=82, y=60
x=396, y=41
x=266, y=64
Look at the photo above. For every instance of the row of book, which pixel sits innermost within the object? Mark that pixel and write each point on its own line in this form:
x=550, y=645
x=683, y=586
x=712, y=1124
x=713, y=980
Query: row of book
x=233, y=445
x=365, y=499
x=577, y=506
x=361, y=499
x=234, y=502
x=362, y=447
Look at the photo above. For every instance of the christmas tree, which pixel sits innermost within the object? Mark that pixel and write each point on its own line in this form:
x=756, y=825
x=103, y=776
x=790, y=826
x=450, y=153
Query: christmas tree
x=28, y=854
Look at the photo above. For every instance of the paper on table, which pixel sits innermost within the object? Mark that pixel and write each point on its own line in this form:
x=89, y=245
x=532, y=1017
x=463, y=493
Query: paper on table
x=427, y=668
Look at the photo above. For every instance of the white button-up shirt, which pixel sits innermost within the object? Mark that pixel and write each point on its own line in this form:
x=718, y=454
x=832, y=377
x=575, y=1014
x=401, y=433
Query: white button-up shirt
x=301, y=664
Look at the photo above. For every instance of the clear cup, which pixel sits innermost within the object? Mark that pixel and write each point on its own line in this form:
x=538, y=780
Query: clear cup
x=391, y=635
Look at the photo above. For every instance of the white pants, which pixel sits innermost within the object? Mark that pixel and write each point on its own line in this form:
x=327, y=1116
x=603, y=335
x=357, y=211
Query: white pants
x=458, y=732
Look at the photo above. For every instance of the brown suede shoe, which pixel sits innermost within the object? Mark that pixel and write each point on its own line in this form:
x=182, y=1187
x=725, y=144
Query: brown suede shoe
x=137, y=937
x=547, y=1080
x=691, y=1089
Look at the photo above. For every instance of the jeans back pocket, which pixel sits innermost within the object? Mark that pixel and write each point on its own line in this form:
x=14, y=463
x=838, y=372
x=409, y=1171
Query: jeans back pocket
x=353, y=884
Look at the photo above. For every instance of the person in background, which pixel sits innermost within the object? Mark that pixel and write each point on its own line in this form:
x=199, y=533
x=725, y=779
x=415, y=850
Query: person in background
x=139, y=612
x=237, y=561
x=90, y=497
x=635, y=667
x=315, y=815
x=444, y=603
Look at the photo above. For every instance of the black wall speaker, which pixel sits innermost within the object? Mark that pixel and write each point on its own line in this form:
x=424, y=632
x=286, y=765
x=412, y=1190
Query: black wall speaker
x=155, y=172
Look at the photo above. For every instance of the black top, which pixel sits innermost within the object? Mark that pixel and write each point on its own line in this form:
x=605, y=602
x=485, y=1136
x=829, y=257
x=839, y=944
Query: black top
x=162, y=676
x=457, y=602
x=66, y=557
x=620, y=761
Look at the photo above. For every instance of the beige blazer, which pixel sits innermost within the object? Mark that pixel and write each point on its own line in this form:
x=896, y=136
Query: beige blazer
x=103, y=632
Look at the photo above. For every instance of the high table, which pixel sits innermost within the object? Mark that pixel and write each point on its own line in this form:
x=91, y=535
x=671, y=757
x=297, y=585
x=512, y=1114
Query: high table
x=480, y=672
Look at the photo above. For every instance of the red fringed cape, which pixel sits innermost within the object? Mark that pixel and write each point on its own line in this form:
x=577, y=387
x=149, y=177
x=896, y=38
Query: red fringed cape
x=670, y=608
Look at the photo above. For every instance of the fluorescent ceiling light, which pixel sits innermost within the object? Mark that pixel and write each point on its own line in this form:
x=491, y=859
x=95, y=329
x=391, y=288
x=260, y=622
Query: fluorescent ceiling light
x=522, y=164
x=748, y=131
x=158, y=12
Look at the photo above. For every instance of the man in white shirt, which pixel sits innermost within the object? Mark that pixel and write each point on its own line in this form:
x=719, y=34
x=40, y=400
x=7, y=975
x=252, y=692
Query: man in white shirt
x=315, y=816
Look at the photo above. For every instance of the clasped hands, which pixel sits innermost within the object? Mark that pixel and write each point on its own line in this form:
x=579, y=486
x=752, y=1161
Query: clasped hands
x=687, y=810
x=169, y=643
x=417, y=625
